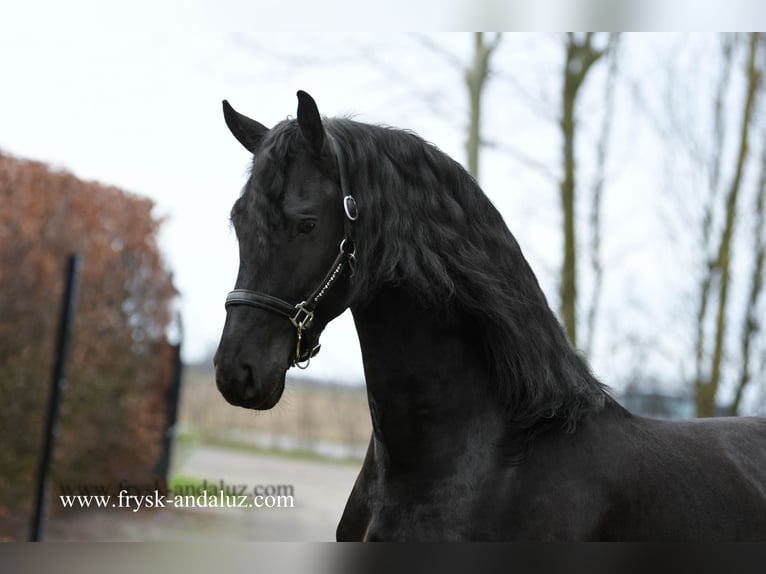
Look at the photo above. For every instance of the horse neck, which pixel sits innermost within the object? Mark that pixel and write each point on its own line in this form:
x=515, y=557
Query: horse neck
x=427, y=379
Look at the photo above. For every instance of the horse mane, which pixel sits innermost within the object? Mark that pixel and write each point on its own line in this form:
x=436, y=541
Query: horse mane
x=430, y=229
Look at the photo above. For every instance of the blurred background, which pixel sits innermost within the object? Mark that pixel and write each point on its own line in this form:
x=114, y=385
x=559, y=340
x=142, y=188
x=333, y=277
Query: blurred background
x=630, y=167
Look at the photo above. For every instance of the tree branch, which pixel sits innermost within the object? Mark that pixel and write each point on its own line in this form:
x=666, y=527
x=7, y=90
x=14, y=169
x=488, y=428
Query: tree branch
x=752, y=322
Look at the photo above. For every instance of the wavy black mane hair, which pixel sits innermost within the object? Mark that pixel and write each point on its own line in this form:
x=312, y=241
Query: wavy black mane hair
x=426, y=226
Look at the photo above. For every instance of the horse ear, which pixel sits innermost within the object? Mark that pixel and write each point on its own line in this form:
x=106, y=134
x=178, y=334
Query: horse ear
x=310, y=122
x=248, y=132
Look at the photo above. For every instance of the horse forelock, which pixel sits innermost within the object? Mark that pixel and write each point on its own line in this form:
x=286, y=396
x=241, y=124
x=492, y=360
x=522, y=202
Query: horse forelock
x=259, y=208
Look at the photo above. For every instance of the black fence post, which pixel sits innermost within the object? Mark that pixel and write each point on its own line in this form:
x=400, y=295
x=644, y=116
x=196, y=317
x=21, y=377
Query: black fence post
x=68, y=305
x=172, y=397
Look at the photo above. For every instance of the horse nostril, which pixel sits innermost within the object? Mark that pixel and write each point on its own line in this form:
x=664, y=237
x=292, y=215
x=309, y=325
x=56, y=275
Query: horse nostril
x=231, y=375
x=247, y=384
x=234, y=383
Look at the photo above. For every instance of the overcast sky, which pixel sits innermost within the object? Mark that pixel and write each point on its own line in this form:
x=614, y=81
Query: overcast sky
x=132, y=98
x=130, y=101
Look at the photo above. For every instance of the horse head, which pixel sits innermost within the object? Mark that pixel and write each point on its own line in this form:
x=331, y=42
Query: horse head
x=293, y=225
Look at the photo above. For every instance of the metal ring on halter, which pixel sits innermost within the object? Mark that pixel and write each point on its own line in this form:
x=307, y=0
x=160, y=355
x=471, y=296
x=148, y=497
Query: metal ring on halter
x=349, y=206
x=344, y=243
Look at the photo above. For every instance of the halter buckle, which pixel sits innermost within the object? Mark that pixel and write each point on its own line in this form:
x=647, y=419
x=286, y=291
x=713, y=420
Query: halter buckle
x=302, y=323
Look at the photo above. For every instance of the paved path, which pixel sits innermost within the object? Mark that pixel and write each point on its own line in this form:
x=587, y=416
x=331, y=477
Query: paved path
x=320, y=491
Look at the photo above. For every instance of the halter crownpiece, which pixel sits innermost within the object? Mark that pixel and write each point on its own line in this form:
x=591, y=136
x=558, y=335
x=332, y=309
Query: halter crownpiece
x=301, y=315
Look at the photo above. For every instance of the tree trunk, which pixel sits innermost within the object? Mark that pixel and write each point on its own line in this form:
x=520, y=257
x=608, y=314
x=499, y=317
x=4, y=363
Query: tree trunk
x=475, y=78
x=580, y=56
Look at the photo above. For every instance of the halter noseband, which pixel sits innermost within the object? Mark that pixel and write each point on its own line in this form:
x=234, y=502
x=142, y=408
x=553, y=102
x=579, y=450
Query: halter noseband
x=302, y=314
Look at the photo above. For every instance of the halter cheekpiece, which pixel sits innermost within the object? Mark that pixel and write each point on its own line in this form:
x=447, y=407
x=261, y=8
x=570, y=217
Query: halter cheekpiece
x=301, y=315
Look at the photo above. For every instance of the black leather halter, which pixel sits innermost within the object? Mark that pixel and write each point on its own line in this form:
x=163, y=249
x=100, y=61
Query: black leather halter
x=301, y=315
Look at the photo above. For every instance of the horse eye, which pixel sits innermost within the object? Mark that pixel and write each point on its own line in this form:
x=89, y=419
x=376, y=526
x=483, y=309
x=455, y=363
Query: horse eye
x=306, y=226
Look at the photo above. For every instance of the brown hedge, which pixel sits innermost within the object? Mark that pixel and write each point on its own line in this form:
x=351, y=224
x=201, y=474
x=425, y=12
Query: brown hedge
x=112, y=414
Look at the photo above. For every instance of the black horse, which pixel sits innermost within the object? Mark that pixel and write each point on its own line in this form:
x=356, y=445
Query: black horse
x=487, y=424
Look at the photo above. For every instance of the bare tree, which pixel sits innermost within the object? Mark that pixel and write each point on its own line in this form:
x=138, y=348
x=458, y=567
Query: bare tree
x=716, y=278
x=581, y=55
x=729, y=351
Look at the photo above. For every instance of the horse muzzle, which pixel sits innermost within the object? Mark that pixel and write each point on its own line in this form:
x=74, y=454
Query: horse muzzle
x=243, y=386
x=250, y=369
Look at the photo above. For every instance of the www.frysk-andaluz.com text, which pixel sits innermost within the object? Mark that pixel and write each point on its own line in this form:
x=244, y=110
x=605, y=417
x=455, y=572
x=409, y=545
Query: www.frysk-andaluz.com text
x=185, y=496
